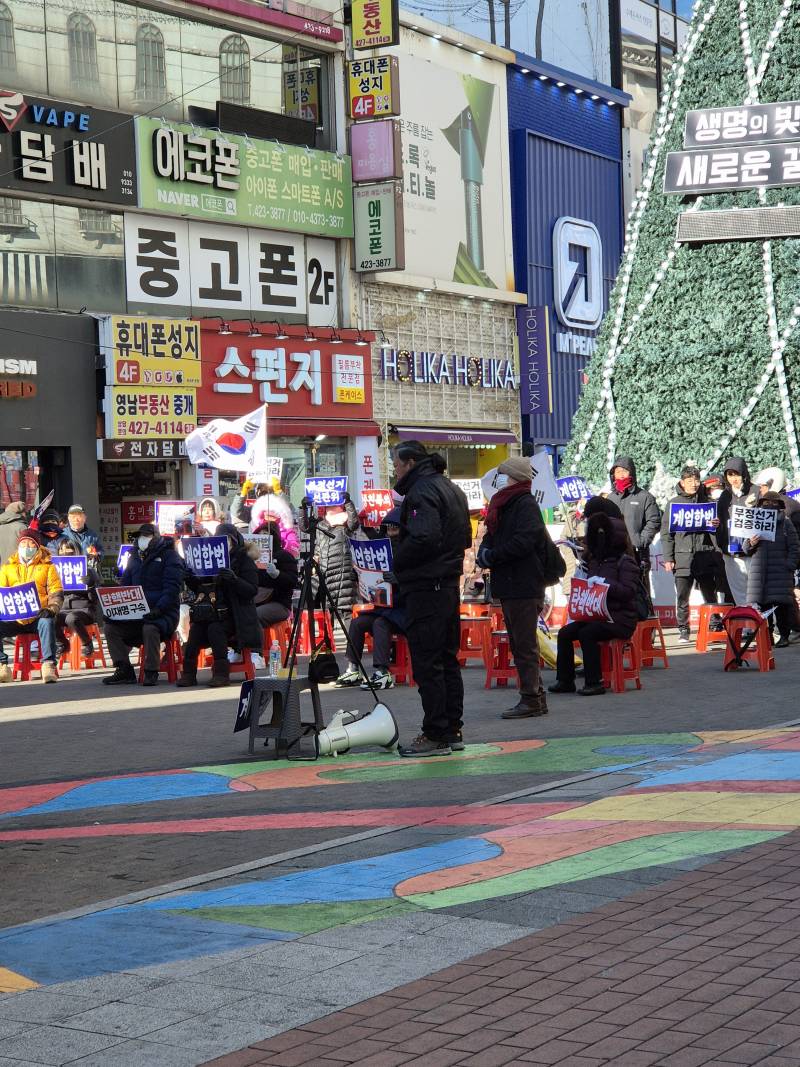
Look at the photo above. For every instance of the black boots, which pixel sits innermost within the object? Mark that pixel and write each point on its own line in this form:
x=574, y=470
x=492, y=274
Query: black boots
x=123, y=674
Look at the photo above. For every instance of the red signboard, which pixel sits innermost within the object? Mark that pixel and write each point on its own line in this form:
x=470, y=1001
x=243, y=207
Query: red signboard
x=587, y=601
x=296, y=379
x=137, y=512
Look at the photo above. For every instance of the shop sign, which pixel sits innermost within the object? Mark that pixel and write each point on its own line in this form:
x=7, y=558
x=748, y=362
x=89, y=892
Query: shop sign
x=109, y=517
x=373, y=87
x=301, y=93
x=155, y=412
x=367, y=468
x=223, y=177
x=747, y=124
x=374, y=23
x=232, y=270
x=59, y=149
x=294, y=378
x=150, y=351
x=376, y=149
x=137, y=512
x=638, y=20
x=17, y=390
x=143, y=450
x=535, y=370
x=12, y=365
x=438, y=368
x=378, y=220
x=732, y=169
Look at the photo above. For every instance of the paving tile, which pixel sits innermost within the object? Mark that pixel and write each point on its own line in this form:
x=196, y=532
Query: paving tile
x=123, y=1020
x=149, y=1054
x=54, y=1045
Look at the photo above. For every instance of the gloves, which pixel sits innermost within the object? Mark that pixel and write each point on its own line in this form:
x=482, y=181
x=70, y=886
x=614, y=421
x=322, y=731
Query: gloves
x=151, y=616
x=46, y=613
x=272, y=570
x=225, y=574
x=247, y=485
x=346, y=499
x=484, y=557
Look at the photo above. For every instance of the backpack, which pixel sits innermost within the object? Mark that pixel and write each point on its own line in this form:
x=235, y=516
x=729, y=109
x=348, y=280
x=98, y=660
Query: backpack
x=554, y=566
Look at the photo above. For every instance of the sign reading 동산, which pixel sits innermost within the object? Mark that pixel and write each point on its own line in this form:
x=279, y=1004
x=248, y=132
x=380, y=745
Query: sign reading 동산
x=753, y=522
x=139, y=351
x=123, y=602
x=373, y=87
x=378, y=221
x=153, y=412
x=227, y=178
x=375, y=23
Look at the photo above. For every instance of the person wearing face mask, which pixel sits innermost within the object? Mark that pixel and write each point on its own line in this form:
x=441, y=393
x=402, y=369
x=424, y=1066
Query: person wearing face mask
x=639, y=509
x=77, y=611
x=31, y=563
x=277, y=580
x=159, y=570
x=333, y=553
x=224, y=614
x=738, y=489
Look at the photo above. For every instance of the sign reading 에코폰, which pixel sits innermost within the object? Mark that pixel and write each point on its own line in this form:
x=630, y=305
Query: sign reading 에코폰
x=692, y=518
x=326, y=492
x=375, y=23
x=753, y=522
x=18, y=603
x=123, y=602
x=224, y=177
x=140, y=351
x=378, y=221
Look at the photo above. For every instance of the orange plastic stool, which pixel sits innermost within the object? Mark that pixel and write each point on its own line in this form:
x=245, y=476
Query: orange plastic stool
x=650, y=643
x=499, y=667
x=401, y=669
x=171, y=660
x=706, y=636
x=244, y=666
x=616, y=671
x=475, y=609
x=759, y=651
x=75, y=657
x=276, y=631
x=322, y=624
x=475, y=639
x=497, y=617
x=24, y=662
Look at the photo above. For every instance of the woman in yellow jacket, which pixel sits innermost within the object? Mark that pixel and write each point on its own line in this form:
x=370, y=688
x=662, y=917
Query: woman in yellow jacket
x=31, y=563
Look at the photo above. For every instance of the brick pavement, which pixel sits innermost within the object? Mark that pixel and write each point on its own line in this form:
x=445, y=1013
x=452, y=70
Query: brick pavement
x=700, y=970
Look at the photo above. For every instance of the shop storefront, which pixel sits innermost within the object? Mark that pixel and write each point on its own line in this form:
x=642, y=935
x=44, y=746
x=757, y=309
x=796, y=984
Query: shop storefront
x=48, y=409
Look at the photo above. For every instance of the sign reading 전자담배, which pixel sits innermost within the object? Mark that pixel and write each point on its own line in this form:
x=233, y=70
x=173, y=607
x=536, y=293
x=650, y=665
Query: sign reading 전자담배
x=223, y=177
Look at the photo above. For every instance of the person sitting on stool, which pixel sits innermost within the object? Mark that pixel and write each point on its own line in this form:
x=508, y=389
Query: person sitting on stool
x=277, y=580
x=77, y=611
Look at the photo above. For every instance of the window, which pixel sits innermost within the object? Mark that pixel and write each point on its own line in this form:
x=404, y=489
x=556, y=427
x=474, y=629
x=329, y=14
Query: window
x=8, y=53
x=151, y=67
x=82, y=43
x=10, y=212
x=234, y=70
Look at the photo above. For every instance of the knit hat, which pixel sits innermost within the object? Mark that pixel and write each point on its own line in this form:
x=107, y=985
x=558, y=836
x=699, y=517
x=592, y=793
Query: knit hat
x=772, y=500
x=517, y=467
x=31, y=535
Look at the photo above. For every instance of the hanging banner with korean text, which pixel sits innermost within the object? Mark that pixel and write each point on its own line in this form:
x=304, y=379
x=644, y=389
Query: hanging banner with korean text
x=19, y=603
x=232, y=445
x=149, y=412
x=692, y=518
x=224, y=177
x=753, y=522
x=587, y=600
x=71, y=571
x=122, y=603
x=371, y=559
x=169, y=511
x=375, y=505
x=327, y=492
x=140, y=351
x=573, y=488
x=473, y=491
x=378, y=220
x=205, y=556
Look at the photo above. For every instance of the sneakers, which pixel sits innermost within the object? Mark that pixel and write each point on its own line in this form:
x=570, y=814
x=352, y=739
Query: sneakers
x=123, y=674
x=379, y=680
x=456, y=742
x=425, y=746
x=5, y=673
x=186, y=679
x=684, y=636
x=49, y=672
x=350, y=677
x=783, y=642
x=150, y=678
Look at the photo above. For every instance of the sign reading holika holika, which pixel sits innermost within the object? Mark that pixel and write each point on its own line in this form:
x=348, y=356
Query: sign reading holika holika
x=327, y=492
x=753, y=522
x=692, y=518
x=124, y=603
x=19, y=603
x=588, y=600
x=205, y=556
x=71, y=571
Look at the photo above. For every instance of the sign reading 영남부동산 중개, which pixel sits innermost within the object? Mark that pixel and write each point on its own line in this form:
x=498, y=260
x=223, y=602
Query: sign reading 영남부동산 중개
x=149, y=412
x=225, y=177
x=746, y=523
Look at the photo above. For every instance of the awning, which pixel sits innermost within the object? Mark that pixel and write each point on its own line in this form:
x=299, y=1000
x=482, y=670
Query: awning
x=456, y=436
x=277, y=427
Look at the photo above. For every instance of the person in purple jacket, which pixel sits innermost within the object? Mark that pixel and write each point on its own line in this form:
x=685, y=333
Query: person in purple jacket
x=610, y=557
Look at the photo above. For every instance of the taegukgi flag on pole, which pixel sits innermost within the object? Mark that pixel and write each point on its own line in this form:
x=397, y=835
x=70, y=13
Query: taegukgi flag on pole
x=231, y=444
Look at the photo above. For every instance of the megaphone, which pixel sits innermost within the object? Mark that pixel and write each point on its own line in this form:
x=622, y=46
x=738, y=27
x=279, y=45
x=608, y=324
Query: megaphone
x=346, y=731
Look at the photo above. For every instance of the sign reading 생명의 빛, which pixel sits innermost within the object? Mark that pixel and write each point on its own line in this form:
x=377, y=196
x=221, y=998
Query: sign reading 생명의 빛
x=692, y=518
x=587, y=600
x=19, y=603
x=327, y=492
x=753, y=522
x=123, y=602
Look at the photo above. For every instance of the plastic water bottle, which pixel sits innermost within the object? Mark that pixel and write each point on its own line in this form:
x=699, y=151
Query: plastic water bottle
x=274, y=659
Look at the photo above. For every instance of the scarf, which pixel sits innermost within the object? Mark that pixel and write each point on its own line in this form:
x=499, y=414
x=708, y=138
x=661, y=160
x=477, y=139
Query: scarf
x=500, y=499
x=621, y=484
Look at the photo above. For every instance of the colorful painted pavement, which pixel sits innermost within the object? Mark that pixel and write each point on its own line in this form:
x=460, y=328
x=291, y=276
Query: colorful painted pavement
x=696, y=795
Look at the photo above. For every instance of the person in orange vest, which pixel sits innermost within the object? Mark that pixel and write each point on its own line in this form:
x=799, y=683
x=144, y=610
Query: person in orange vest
x=31, y=563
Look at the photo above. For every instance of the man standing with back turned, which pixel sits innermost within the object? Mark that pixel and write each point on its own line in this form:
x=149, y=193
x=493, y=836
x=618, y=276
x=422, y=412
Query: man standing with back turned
x=435, y=532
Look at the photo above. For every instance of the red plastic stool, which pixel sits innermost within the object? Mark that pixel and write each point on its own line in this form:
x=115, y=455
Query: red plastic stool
x=616, y=671
x=401, y=669
x=322, y=624
x=75, y=658
x=650, y=643
x=499, y=667
x=171, y=660
x=705, y=635
x=24, y=662
x=497, y=617
x=475, y=609
x=475, y=639
x=759, y=651
x=276, y=631
x=357, y=610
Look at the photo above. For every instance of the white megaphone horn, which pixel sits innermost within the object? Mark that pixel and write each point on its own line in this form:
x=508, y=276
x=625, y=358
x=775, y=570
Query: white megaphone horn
x=346, y=731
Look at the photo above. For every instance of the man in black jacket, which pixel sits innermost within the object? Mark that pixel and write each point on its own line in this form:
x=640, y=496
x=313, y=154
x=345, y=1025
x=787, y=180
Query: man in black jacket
x=435, y=532
x=639, y=509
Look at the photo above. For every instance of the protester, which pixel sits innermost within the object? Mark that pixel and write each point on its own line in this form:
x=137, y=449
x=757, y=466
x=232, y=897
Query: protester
x=86, y=541
x=770, y=579
x=277, y=580
x=382, y=623
x=31, y=563
x=77, y=611
x=435, y=532
x=738, y=491
x=51, y=527
x=159, y=570
x=209, y=515
x=241, y=510
x=639, y=509
x=274, y=508
x=514, y=551
x=336, y=525
x=690, y=555
x=608, y=556
x=12, y=522
x=224, y=614
x=772, y=479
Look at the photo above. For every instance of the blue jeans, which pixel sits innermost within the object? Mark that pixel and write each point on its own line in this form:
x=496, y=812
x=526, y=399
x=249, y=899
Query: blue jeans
x=45, y=628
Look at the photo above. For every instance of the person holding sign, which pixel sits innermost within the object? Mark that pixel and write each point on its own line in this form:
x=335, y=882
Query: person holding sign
x=689, y=549
x=31, y=563
x=608, y=557
x=77, y=611
x=739, y=490
x=277, y=576
x=770, y=580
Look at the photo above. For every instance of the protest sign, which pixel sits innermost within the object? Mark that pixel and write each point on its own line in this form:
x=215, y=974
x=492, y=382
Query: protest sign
x=587, y=600
x=123, y=556
x=264, y=542
x=573, y=488
x=71, y=571
x=205, y=556
x=19, y=603
x=375, y=505
x=692, y=518
x=793, y=493
x=543, y=482
x=471, y=488
x=371, y=559
x=326, y=492
x=753, y=522
x=169, y=511
x=266, y=470
x=122, y=603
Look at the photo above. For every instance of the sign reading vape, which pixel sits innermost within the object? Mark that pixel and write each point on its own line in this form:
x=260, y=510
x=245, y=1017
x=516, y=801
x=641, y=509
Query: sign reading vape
x=378, y=219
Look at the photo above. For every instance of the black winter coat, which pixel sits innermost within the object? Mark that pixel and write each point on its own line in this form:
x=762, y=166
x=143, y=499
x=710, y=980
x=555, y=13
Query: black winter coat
x=435, y=530
x=11, y=524
x=639, y=509
x=517, y=548
x=728, y=498
x=161, y=574
x=82, y=599
x=770, y=579
x=284, y=585
x=336, y=562
x=693, y=553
